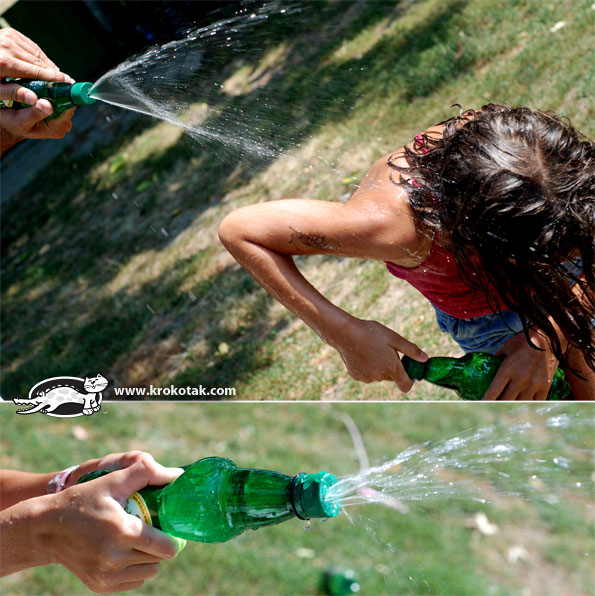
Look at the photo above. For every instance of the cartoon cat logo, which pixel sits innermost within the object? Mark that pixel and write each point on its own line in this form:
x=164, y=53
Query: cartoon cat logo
x=65, y=396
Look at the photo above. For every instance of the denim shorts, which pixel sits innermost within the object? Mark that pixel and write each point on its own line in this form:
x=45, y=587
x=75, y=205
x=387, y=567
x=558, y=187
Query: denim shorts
x=488, y=333
x=481, y=334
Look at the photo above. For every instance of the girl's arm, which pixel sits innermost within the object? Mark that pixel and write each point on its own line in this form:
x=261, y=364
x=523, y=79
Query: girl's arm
x=86, y=529
x=375, y=223
x=18, y=486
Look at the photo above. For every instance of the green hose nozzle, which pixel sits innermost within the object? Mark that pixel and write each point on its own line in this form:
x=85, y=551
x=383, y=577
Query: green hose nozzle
x=310, y=492
x=79, y=94
x=62, y=96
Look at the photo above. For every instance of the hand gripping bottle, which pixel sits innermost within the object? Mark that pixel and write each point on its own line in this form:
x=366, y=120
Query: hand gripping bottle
x=62, y=96
x=471, y=375
x=214, y=500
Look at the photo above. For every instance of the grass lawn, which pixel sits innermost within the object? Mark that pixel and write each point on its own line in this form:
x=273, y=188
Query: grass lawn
x=140, y=290
x=544, y=539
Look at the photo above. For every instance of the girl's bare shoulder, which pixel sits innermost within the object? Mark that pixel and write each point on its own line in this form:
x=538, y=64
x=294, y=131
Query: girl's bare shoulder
x=382, y=201
x=391, y=231
x=380, y=192
x=382, y=179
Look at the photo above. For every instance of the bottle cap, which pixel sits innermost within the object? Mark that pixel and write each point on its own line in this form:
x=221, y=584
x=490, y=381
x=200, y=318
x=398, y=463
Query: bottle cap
x=79, y=94
x=413, y=368
x=309, y=492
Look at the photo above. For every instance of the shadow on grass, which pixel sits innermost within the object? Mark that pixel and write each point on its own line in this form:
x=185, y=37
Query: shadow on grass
x=68, y=227
x=144, y=329
x=310, y=90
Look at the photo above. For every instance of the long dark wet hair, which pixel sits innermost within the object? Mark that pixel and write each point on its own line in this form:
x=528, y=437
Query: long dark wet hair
x=515, y=188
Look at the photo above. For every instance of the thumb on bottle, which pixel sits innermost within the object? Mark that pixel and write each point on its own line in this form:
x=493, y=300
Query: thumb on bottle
x=43, y=108
x=27, y=118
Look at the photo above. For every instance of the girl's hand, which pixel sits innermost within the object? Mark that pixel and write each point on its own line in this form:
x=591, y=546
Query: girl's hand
x=525, y=373
x=87, y=530
x=120, y=461
x=370, y=352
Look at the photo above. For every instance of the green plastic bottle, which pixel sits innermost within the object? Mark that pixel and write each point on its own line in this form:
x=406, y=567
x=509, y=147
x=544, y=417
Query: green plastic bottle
x=214, y=500
x=471, y=375
x=340, y=582
x=62, y=96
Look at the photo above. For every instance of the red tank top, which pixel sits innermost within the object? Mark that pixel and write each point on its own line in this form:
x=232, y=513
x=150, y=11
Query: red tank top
x=438, y=278
x=439, y=281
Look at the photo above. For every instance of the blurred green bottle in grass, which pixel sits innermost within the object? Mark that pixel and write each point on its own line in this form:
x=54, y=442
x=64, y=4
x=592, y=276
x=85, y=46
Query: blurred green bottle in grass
x=471, y=375
x=214, y=500
x=62, y=96
x=340, y=582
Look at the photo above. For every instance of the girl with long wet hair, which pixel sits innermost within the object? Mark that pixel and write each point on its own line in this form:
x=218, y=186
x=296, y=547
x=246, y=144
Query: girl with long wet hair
x=490, y=215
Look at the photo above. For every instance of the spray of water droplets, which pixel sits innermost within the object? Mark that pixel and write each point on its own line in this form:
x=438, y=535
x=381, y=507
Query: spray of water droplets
x=194, y=82
x=536, y=460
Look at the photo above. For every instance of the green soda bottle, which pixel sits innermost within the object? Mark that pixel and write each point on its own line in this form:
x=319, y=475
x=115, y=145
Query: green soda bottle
x=214, y=500
x=471, y=375
x=62, y=96
x=340, y=582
